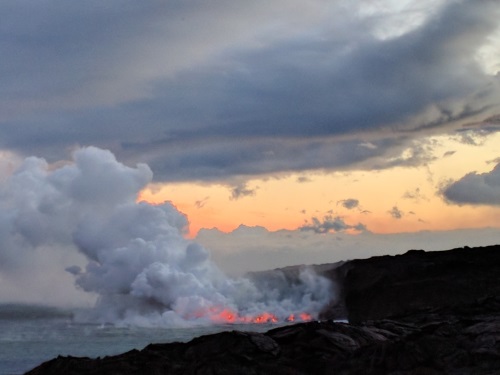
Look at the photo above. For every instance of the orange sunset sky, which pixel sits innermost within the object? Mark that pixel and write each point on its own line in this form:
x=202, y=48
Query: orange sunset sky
x=289, y=201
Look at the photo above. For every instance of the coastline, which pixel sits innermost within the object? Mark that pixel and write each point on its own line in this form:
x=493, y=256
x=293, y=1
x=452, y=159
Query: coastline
x=419, y=311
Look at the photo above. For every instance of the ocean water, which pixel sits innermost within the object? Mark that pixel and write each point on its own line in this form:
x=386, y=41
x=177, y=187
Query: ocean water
x=30, y=335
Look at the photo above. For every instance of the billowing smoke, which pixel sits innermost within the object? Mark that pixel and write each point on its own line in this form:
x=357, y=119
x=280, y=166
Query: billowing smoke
x=137, y=259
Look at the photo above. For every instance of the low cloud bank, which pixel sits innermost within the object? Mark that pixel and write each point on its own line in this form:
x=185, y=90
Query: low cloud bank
x=257, y=249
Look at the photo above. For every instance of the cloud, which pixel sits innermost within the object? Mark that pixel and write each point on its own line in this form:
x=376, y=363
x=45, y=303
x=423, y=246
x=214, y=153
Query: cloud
x=368, y=145
x=303, y=179
x=204, y=91
x=475, y=188
x=494, y=161
x=241, y=191
x=8, y=163
x=396, y=213
x=476, y=133
x=472, y=137
x=415, y=195
x=330, y=224
x=257, y=249
x=349, y=203
x=201, y=203
x=88, y=54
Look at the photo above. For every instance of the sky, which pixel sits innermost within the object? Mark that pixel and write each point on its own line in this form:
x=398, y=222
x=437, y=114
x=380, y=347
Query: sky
x=286, y=132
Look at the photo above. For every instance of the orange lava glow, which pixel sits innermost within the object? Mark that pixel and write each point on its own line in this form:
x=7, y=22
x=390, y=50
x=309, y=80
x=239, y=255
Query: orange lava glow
x=230, y=316
x=305, y=317
x=265, y=318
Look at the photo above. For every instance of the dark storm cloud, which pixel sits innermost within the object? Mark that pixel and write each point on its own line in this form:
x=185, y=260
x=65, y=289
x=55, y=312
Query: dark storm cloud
x=184, y=160
x=475, y=188
x=210, y=91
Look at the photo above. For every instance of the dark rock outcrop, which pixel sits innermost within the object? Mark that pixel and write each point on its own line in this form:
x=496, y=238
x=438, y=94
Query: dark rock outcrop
x=461, y=340
x=387, y=286
x=416, y=313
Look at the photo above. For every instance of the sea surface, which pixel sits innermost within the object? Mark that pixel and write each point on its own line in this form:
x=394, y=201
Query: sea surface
x=30, y=335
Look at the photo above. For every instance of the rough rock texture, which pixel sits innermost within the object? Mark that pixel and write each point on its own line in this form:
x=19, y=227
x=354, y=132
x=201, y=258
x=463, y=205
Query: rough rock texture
x=417, y=313
x=462, y=340
x=386, y=286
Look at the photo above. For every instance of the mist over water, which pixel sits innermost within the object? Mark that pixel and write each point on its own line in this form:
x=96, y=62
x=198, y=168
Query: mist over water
x=32, y=334
x=137, y=260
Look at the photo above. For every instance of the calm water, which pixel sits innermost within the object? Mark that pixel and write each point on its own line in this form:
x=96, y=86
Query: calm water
x=30, y=335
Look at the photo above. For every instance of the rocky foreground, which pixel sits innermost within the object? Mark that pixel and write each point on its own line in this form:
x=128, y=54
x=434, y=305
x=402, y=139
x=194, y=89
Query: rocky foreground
x=417, y=313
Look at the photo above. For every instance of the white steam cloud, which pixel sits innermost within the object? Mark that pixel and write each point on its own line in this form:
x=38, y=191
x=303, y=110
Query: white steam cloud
x=138, y=260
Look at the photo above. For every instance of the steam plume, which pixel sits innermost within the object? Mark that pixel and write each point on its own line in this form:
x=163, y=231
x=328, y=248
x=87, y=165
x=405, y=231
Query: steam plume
x=138, y=260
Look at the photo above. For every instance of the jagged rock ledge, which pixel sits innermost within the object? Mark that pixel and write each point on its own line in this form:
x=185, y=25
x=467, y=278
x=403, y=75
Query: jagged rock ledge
x=461, y=340
x=416, y=313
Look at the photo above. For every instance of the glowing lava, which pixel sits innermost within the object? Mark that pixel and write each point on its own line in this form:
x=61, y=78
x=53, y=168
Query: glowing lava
x=265, y=318
x=230, y=316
